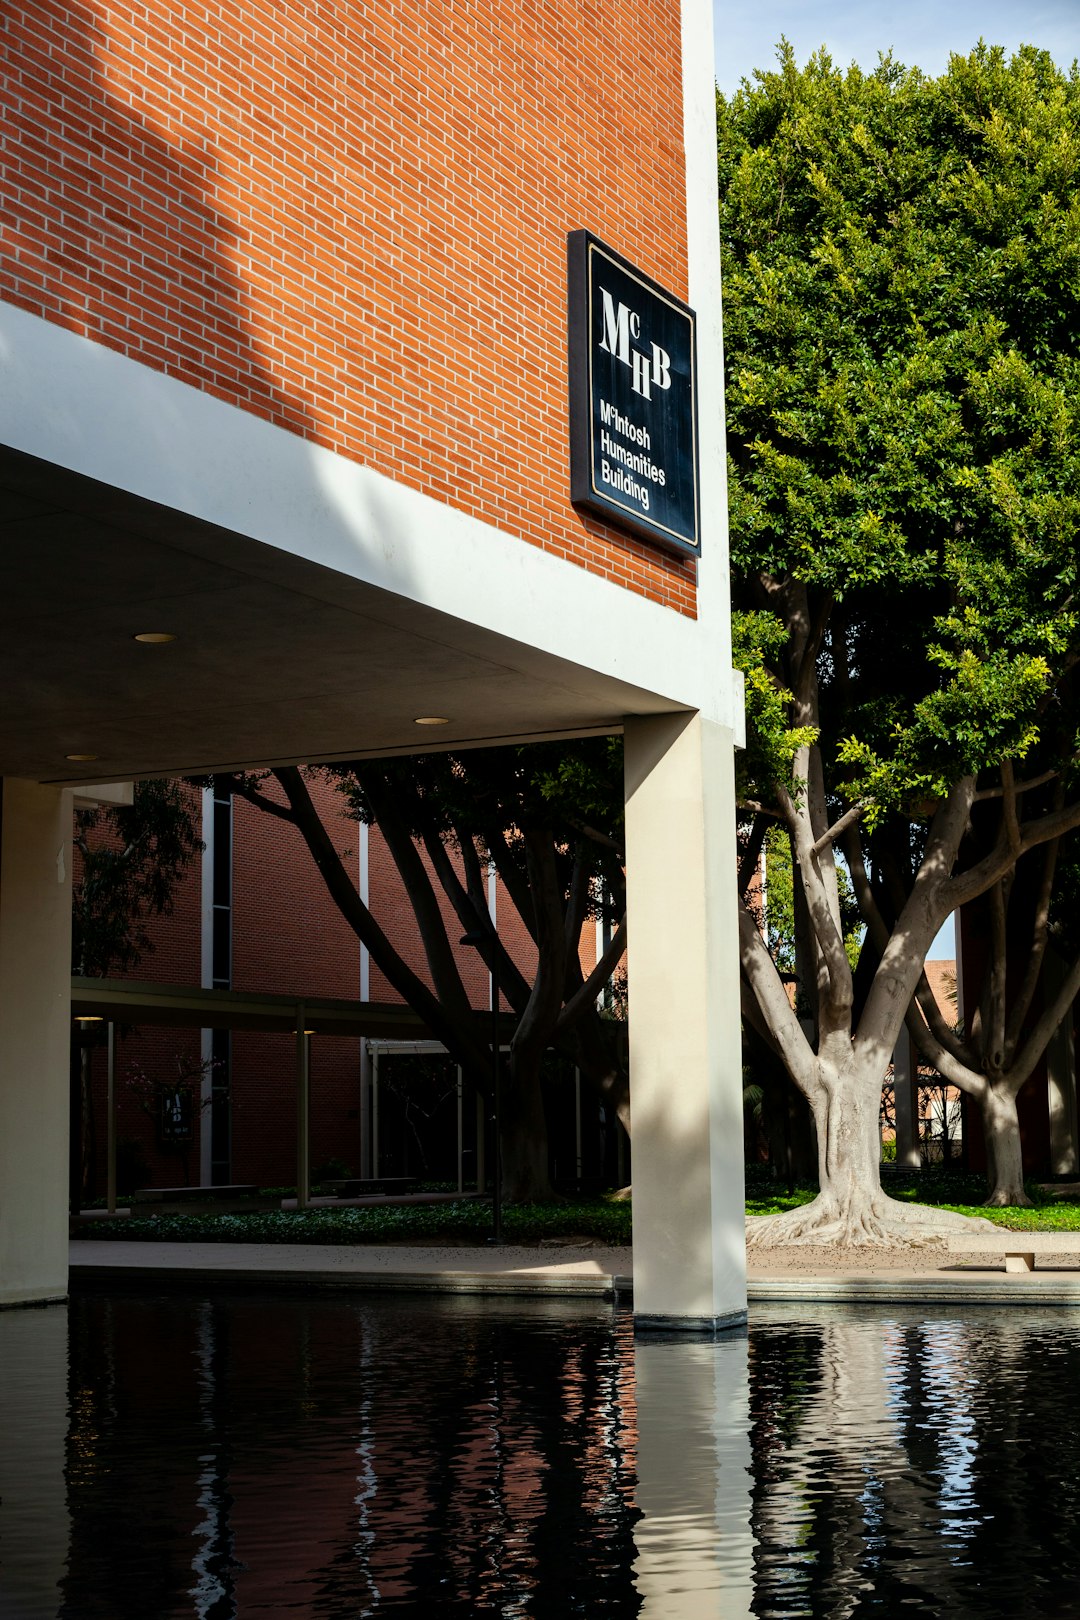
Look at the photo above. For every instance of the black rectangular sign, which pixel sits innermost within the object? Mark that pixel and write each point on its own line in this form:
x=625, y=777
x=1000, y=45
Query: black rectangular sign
x=633, y=399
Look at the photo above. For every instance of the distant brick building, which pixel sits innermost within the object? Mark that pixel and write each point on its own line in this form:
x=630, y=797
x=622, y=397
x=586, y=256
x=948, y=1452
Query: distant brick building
x=252, y=913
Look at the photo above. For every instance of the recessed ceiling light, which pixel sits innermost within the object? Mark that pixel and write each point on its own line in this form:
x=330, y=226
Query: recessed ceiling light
x=432, y=720
x=81, y=759
x=89, y=1018
x=154, y=638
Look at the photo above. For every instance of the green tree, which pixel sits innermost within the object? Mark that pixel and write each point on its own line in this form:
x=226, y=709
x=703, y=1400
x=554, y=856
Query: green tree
x=130, y=859
x=549, y=818
x=902, y=319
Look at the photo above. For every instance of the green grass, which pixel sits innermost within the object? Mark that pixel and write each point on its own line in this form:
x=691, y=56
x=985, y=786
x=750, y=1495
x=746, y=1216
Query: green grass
x=943, y=1189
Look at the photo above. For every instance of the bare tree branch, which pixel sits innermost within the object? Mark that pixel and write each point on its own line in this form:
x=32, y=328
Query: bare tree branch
x=1040, y=928
x=585, y=995
x=1039, y=1038
x=833, y=833
x=825, y=925
x=776, y=1010
x=752, y=853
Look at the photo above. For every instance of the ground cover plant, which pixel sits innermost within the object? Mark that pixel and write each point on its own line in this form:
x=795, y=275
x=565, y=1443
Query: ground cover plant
x=467, y=1219
x=601, y=1220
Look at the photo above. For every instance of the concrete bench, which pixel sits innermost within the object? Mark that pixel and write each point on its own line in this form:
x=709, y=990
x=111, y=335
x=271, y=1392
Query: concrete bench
x=224, y=1200
x=176, y=1195
x=366, y=1186
x=1018, y=1249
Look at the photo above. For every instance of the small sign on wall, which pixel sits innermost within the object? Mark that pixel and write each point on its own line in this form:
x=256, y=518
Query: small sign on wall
x=633, y=399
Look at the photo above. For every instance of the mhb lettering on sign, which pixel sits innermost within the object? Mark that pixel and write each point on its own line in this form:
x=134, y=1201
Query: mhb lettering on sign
x=633, y=422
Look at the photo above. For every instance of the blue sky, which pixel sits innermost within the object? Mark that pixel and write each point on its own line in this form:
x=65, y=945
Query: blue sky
x=921, y=32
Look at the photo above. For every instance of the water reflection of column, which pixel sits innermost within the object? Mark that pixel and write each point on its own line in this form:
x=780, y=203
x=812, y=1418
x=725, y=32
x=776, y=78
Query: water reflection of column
x=35, y=1526
x=367, y=1479
x=693, y=1463
x=213, y=1563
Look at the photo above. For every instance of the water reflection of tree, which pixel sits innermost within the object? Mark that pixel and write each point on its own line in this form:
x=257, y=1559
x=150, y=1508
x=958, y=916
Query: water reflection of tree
x=915, y=1468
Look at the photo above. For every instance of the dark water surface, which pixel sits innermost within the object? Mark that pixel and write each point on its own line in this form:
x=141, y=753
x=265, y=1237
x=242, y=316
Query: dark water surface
x=316, y=1456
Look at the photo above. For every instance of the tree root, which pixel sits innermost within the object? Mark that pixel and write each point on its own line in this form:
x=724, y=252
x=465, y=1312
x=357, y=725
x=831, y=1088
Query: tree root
x=874, y=1222
x=1008, y=1198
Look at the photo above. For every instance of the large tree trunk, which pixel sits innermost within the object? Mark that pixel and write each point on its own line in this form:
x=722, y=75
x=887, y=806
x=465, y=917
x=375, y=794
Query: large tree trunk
x=1004, y=1155
x=524, y=1136
x=851, y=1210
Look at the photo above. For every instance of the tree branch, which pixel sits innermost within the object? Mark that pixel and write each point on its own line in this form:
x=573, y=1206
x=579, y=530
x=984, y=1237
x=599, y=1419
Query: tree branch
x=937, y=1024
x=1040, y=929
x=752, y=853
x=1037, y=1042
x=476, y=918
x=776, y=1010
x=585, y=995
x=977, y=879
x=458, y=1034
x=831, y=834
x=441, y=959
x=825, y=927
x=241, y=789
x=952, y=1068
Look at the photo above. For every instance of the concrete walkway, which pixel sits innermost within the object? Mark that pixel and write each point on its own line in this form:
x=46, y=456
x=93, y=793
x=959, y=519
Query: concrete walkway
x=975, y=1275
x=550, y=1271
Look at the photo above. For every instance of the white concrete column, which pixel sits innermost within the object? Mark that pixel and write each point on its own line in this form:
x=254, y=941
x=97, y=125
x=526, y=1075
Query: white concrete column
x=35, y=1039
x=906, y=1104
x=685, y=1036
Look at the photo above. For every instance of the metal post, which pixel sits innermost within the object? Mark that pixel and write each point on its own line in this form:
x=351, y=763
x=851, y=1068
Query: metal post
x=375, y=1166
x=367, y=1170
x=497, y=1190
x=577, y=1126
x=303, y=1110
x=481, y=1131
x=480, y=938
x=110, y=1123
x=460, y=1135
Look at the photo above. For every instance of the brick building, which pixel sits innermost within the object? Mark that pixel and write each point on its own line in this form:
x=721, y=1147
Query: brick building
x=285, y=323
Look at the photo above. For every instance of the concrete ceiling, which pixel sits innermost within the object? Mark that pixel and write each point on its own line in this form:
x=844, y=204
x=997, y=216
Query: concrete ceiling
x=276, y=659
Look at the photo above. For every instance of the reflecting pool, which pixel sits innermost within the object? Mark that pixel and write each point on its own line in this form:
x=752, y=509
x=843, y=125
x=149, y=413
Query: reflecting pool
x=221, y=1455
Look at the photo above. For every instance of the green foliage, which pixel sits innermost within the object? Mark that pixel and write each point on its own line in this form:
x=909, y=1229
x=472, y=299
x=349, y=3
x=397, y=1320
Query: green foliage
x=780, y=905
x=597, y=1219
x=902, y=335
x=771, y=740
x=132, y=857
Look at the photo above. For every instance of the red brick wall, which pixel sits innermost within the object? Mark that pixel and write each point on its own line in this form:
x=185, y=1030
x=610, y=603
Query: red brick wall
x=352, y=221
x=289, y=939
